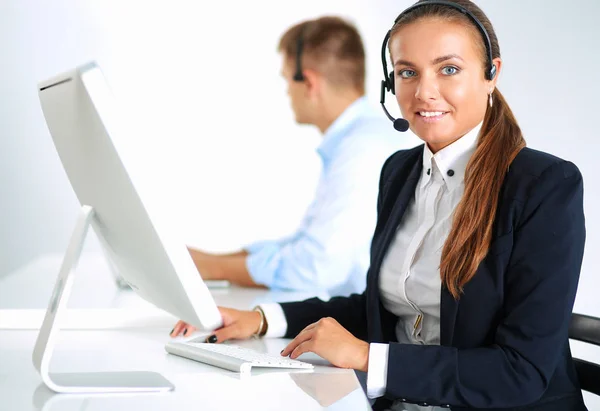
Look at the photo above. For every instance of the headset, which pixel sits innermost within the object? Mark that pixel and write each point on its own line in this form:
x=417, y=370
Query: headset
x=388, y=84
x=298, y=75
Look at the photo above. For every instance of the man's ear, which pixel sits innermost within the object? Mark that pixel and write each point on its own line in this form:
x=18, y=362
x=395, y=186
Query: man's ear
x=313, y=82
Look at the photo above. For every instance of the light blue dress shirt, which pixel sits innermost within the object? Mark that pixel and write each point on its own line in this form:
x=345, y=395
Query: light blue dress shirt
x=330, y=249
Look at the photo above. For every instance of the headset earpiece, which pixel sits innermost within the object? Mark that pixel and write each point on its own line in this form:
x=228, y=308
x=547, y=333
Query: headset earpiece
x=391, y=83
x=492, y=73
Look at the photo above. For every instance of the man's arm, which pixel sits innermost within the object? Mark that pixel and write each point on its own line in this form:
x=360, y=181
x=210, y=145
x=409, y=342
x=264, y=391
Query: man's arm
x=230, y=267
x=335, y=236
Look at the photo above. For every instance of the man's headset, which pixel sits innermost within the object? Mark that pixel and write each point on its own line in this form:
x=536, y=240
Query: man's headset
x=387, y=84
x=298, y=76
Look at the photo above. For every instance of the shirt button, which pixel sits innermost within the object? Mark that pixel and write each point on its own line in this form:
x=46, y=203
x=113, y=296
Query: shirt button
x=450, y=173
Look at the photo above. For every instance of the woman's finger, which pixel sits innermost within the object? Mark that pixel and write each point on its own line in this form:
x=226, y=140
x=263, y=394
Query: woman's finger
x=309, y=327
x=225, y=333
x=179, y=327
x=189, y=330
x=306, y=346
x=300, y=338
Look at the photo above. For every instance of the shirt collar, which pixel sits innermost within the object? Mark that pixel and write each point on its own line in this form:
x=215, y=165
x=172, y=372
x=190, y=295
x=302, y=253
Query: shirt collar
x=451, y=161
x=339, y=128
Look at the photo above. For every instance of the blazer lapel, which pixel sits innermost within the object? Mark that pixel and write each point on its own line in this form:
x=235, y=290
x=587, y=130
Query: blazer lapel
x=405, y=189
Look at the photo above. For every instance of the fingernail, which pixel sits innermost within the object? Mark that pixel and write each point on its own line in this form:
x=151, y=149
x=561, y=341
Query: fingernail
x=212, y=339
x=172, y=331
x=185, y=332
x=282, y=351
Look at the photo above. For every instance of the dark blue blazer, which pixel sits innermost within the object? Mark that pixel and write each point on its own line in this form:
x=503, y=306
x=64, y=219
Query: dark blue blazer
x=504, y=343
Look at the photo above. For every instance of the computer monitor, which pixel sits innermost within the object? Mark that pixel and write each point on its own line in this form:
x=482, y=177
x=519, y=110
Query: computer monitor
x=88, y=133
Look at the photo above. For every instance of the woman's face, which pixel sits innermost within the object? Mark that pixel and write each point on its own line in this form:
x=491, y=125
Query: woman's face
x=440, y=84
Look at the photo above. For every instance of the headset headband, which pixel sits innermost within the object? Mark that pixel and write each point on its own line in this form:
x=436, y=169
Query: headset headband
x=490, y=73
x=298, y=75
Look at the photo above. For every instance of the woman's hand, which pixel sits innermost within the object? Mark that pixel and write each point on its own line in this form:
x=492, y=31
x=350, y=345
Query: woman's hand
x=328, y=339
x=237, y=325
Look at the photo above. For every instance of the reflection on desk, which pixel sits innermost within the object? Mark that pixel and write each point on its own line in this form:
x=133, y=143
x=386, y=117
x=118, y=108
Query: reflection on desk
x=231, y=397
x=327, y=389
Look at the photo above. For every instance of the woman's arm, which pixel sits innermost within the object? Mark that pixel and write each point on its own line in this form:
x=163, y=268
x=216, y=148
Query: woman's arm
x=350, y=312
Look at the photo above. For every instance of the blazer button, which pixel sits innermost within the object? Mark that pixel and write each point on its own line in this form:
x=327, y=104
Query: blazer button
x=450, y=173
x=445, y=405
x=423, y=404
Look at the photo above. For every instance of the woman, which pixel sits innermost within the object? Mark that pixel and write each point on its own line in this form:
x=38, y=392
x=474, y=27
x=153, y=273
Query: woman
x=476, y=255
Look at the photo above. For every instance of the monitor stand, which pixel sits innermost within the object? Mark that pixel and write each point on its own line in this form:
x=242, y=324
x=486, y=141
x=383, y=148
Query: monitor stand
x=88, y=382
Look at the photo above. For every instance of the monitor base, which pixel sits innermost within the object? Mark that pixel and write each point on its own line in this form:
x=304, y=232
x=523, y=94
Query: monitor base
x=90, y=382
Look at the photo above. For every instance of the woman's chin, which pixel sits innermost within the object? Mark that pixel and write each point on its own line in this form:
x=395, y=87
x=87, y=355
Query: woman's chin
x=435, y=139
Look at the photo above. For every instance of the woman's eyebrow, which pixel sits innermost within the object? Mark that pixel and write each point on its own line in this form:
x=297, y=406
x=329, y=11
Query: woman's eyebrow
x=435, y=61
x=446, y=57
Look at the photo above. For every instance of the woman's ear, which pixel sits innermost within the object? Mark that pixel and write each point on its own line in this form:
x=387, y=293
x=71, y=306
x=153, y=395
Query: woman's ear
x=498, y=63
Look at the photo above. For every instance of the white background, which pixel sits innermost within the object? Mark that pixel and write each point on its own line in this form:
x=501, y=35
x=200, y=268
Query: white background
x=216, y=138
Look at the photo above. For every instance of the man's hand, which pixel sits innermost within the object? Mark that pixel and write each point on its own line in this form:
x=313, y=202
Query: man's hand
x=230, y=267
x=328, y=339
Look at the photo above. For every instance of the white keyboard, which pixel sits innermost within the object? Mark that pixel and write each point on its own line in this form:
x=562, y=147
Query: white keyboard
x=231, y=357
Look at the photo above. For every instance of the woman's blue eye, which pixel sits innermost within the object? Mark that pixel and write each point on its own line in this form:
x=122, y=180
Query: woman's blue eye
x=406, y=73
x=450, y=70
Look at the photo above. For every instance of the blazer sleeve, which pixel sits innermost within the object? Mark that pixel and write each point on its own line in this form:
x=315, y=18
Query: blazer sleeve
x=540, y=286
x=350, y=312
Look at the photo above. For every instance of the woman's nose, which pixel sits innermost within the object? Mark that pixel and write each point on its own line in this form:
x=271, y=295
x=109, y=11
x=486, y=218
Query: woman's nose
x=427, y=88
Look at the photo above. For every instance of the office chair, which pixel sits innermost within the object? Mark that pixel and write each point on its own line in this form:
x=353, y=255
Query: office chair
x=586, y=329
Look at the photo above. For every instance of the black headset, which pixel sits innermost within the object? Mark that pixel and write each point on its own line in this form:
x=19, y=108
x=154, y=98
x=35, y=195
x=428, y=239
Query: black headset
x=388, y=84
x=298, y=75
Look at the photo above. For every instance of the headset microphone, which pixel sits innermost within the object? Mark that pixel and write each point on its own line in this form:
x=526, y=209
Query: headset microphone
x=400, y=124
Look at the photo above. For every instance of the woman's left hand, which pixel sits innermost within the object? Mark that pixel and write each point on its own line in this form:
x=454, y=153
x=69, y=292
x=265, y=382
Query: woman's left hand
x=328, y=339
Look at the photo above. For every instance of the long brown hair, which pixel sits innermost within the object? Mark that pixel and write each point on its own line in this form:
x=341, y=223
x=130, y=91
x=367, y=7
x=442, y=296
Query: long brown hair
x=500, y=140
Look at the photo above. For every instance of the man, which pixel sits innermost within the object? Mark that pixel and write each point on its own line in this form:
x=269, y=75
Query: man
x=324, y=67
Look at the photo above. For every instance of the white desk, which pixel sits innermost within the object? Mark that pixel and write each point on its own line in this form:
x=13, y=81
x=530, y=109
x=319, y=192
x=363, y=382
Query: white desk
x=198, y=386
x=117, y=347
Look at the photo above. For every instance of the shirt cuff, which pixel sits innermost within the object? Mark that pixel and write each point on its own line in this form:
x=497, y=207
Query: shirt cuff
x=256, y=246
x=377, y=372
x=275, y=319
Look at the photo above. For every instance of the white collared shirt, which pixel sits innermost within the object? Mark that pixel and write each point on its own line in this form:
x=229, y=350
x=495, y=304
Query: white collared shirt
x=409, y=281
